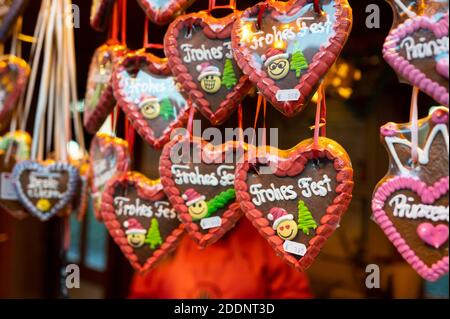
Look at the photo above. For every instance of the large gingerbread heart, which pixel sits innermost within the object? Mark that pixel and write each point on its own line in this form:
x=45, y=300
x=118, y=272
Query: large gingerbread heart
x=45, y=189
x=100, y=11
x=296, y=198
x=140, y=219
x=199, y=50
x=151, y=99
x=411, y=202
x=286, y=48
x=10, y=10
x=14, y=147
x=13, y=78
x=417, y=50
x=99, y=100
x=200, y=186
x=108, y=156
x=163, y=11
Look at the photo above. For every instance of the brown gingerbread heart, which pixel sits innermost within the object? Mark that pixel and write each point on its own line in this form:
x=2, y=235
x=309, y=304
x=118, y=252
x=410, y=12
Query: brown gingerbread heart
x=286, y=48
x=198, y=46
x=108, y=156
x=163, y=11
x=149, y=96
x=99, y=100
x=200, y=186
x=296, y=198
x=411, y=202
x=140, y=219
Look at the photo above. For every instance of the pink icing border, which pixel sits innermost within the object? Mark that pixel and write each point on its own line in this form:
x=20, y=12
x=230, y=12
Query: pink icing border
x=404, y=67
x=428, y=195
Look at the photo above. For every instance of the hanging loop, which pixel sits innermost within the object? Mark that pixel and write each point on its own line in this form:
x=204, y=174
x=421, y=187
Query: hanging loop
x=213, y=6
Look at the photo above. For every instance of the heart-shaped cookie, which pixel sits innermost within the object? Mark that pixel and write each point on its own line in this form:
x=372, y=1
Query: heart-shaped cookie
x=199, y=183
x=13, y=78
x=199, y=50
x=296, y=198
x=417, y=50
x=286, y=48
x=10, y=10
x=149, y=96
x=100, y=11
x=14, y=147
x=411, y=202
x=99, y=100
x=140, y=219
x=108, y=156
x=163, y=11
x=45, y=189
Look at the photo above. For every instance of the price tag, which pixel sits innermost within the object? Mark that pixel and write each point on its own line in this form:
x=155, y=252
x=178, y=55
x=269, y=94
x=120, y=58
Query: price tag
x=211, y=222
x=7, y=187
x=294, y=248
x=288, y=95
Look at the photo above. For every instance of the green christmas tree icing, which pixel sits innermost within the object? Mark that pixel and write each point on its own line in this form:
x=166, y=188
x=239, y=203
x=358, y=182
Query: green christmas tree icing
x=305, y=220
x=298, y=62
x=166, y=109
x=220, y=201
x=153, y=235
x=228, y=76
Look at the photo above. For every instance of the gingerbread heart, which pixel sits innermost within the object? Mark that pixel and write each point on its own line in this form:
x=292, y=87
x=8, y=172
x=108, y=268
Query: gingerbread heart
x=14, y=147
x=286, y=48
x=200, y=186
x=45, y=189
x=411, y=202
x=140, y=219
x=100, y=11
x=149, y=96
x=108, y=156
x=13, y=78
x=417, y=50
x=163, y=11
x=10, y=10
x=99, y=100
x=296, y=198
x=199, y=50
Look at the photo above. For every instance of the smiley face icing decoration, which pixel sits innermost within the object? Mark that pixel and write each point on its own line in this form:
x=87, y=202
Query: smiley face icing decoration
x=14, y=74
x=108, y=156
x=296, y=198
x=200, y=186
x=140, y=219
x=411, y=202
x=286, y=48
x=417, y=50
x=199, y=50
x=163, y=11
x=99, y=100
x=45, y=189
x=149, y=96
x=100, y=12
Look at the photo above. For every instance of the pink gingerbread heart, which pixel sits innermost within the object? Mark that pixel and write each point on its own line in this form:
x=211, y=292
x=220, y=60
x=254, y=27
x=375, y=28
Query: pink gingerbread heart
x=435, y=236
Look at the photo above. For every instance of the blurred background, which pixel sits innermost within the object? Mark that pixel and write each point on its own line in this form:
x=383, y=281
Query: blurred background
x=364, y=93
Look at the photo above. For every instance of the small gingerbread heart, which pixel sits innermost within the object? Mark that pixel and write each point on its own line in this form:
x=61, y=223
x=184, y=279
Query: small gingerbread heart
x=163, y=11
x=200, y=185
x=149, y=96
x=45, y=189
x=286, y=48
x=108, y=156
x=140, y=219
x=296, y=198
x=417, y=50
x=99, y=100
x=411, y=202
x=199, y=50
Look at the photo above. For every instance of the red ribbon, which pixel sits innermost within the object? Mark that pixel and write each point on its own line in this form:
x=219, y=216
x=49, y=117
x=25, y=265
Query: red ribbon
x=317, y=7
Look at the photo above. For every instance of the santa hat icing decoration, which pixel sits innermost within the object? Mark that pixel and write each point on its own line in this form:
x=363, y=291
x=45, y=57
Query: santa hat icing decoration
x=191, y=196
x=206, y=69
x=147, y=99
x=273, y=54
x=277, y=215
x=133, y=227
